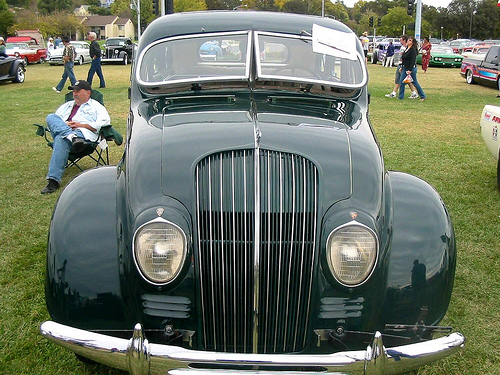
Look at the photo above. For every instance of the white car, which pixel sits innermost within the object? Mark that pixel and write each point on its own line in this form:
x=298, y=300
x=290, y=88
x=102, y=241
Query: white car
x=477, y=53
x=54, y=56
x=490, y=122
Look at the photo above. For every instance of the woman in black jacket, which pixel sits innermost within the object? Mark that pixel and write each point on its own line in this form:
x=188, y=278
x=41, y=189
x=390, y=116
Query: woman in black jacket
x=409, y=60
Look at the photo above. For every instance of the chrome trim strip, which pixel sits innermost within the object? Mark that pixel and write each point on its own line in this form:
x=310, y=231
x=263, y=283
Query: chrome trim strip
x=280, y=251
x=221, y=246
x=268, y=292
x=246, y=237
x=211, y=244
x=256, y=247
x=162, y=359
x=304, y=221
x=200, y=260
x=313, y=247
x=292, y=233
x=233, y=187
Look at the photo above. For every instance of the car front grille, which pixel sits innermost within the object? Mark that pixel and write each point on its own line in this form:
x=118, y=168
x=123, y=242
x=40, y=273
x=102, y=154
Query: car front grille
x=256, y=241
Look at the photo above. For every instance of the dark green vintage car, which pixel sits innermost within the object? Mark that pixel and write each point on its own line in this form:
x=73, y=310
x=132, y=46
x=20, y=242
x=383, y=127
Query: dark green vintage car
x=251, y=225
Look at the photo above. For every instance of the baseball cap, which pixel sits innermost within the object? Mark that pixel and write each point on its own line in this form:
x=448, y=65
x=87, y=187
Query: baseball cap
x=81, y=85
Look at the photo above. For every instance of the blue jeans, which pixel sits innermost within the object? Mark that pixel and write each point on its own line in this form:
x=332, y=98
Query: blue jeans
x=415, y=83
x=95, y=67
x=62, y=145
x=68, y=73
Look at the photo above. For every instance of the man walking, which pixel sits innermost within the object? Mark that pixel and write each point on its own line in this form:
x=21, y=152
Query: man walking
x=95, y=67
x=68, y=57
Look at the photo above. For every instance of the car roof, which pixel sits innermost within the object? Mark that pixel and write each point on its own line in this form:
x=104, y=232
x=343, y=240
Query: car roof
x=226, y=21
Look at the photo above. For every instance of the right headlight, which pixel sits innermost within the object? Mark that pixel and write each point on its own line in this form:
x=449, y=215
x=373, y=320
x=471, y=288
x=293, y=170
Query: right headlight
x=159, y=251
x=352, y=251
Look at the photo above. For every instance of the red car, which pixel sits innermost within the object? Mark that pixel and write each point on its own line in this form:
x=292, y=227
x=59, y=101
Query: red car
x=26, y=48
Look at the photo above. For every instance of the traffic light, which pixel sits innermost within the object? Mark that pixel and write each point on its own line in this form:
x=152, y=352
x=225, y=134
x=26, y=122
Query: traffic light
x=409, y=10
x=169, y=6
x=156, y=7
x=379, y=22
x=371, y=21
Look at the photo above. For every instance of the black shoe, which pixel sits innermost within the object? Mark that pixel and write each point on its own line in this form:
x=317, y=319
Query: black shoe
x=52, y=186
x=78, y=144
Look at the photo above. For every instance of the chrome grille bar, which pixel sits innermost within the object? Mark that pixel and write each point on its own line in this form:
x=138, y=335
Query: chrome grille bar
x=256, y=218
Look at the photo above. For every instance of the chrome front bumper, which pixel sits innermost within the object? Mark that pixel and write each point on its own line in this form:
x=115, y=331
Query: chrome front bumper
x=142, y=358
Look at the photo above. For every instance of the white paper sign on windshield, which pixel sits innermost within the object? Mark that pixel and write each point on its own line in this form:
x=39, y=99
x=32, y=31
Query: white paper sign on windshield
x=333, y=42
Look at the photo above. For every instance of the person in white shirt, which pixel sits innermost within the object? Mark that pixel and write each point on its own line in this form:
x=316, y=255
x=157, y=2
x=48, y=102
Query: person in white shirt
x=365, y=43
x=73, y=122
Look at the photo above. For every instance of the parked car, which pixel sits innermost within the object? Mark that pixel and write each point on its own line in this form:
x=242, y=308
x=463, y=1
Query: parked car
x=250, y=225
x=380, y=51
x=12, y=69
x=118, y=50
x=35, y=53
x=442, y=56
x=82, y=49
x=485, y=71
x=476, y=52
x=22, y=50
x=490, y=122
x=459, y=44
x=211, y=51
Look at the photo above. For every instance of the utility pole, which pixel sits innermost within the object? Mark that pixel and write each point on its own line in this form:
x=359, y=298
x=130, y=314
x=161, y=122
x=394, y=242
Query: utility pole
x=418, y=20
x=136, y=5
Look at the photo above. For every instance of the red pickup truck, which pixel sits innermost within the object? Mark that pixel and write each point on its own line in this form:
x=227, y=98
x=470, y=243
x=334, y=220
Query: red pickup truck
x=486, y=71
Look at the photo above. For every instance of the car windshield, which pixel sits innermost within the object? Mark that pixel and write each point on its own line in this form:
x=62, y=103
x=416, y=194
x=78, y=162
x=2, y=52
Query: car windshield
x=323, y=58
x=116, y=42
x=16, y=46
x=441, y=49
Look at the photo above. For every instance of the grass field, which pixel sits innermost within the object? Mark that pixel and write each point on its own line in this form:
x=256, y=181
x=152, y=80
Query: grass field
x=438, y=140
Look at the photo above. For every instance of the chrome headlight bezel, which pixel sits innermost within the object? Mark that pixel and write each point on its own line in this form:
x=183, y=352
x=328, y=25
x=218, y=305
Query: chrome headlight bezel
x=138, y=260
x=373, y=255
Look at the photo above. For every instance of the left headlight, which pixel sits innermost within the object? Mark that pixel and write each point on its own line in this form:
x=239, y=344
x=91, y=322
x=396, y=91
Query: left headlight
x=352, y=251
x=159, y=250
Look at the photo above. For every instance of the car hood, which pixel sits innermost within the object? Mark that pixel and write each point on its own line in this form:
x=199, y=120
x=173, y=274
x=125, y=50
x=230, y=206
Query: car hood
x=187, y=138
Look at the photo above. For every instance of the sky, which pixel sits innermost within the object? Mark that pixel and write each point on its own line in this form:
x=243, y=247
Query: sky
x=434, y=3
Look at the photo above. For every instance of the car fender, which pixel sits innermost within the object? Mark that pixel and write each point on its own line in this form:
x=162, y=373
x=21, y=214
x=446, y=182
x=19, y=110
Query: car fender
x=421, y=263
x=82, y=281
x=14, y=66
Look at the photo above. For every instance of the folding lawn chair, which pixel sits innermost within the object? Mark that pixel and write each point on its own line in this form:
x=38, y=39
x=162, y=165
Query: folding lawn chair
x=97, y=150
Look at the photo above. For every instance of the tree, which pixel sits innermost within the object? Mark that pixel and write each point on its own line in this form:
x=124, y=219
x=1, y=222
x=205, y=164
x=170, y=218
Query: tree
x=189, y=5
x=50, y=6
x=121, y=8
x=265, y=5
x=7, y=19
x=222, y=4
x=393, y=22
x=337, y=10
x=486, y=20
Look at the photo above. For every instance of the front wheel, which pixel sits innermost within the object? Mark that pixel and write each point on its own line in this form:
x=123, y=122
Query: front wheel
x=19, y=78
x=469, y=77
x=374, y=57
x=80, y=60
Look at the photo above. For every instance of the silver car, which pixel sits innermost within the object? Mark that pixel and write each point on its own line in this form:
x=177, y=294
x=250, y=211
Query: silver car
x=54, y=56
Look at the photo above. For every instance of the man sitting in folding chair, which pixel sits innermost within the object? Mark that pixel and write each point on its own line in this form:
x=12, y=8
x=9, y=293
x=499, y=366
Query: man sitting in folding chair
x=74, y=122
